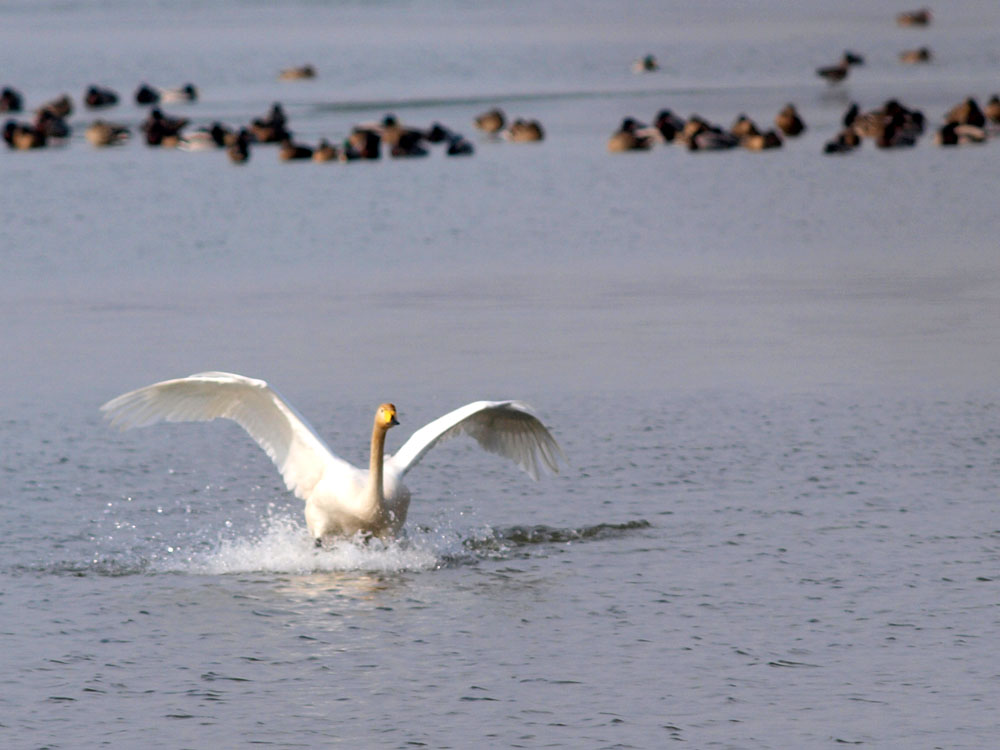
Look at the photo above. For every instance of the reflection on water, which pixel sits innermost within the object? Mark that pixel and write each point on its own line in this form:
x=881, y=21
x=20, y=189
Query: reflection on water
x=347, y=583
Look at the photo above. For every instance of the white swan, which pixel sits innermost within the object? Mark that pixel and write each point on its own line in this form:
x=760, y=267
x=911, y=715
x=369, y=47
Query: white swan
x=340, y=498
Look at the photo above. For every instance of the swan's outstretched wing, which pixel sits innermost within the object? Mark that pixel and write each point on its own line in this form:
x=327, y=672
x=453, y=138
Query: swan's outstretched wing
x=507, y=428
x=299, y=453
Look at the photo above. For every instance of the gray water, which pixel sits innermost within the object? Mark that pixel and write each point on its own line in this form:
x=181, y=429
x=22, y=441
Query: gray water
x=774, y=376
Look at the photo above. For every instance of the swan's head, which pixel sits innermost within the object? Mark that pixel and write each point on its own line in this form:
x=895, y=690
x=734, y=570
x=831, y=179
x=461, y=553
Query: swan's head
x=385, y=417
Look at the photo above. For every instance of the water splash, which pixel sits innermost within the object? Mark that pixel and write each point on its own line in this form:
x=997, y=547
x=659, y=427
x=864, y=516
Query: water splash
x=284, y=546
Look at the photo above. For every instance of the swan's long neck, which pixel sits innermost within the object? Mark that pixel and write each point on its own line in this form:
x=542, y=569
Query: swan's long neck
x=377, y=459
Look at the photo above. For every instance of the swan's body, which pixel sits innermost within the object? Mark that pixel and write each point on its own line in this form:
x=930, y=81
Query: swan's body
x=340, y=498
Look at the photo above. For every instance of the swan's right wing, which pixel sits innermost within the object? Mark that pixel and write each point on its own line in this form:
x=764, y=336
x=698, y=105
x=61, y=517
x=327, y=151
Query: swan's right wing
x=507, y=428
x=299, y=453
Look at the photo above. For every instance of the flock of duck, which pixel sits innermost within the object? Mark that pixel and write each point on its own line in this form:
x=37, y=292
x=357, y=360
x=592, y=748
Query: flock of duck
x=890, y=126
x=894, y=125
x=698, y=134
x=366, y=141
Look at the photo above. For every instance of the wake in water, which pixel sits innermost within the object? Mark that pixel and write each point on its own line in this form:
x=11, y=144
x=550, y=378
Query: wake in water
x=283, y=545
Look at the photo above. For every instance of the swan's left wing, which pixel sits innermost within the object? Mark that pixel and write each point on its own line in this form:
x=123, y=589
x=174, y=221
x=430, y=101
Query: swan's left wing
x=507, y=428
x=299, y=453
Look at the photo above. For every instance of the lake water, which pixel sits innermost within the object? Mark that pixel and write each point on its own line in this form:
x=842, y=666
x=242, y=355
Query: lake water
x=774, y=376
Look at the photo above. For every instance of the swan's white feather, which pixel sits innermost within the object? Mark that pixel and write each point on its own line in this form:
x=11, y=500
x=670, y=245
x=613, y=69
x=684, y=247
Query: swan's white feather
x=299, y=453
x=507, y=428
x=339, y=497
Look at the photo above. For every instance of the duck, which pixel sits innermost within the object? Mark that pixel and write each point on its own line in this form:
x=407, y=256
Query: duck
x=628, y=138
x=992, y=109
x=700, y=135
x=365, y=143
x=394, y=133
x=712, y=140
x=873, y=124
x=668, y=125
x=23, y=136
x=291, y=151
x=268, y=133
x=341, y=500
x=491, y=122
x=222, y=135
x=348, y=152
x=870, y=124
x=239, y=150
x=271, y=127
x=761, y=141
x=146, y=94
x=692, y=127
x=645, y=64
x=96, y=97
x=954, y=134
x=743, y=126
x=408, y=144
x=458, y=146
x=210, y=138
x=455, y=143
x=524, y=131
x=161, y=130
x=966, y=113
x=915, y=56
x=895, y=135
x=186, y=93
x=60, y=108
x=921, y=17
x=851, y=114
x=845, y=141
x=911, y=120
x=301, y=73
x=834, y=74
x=325, y=151
x=101, y=133
x=11, y=100
x=438, y=133
x=51, y=124
x=789, y=122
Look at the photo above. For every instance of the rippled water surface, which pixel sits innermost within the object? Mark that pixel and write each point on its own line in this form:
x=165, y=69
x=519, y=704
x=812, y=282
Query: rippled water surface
x=774, y=376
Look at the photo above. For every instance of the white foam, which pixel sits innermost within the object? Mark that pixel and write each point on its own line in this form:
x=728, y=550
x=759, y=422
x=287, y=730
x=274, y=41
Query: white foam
x=284, y=546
